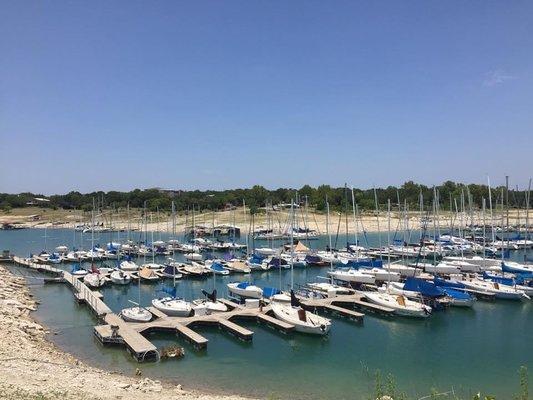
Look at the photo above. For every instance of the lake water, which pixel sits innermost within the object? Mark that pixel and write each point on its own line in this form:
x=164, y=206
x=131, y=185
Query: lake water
x=466, y=349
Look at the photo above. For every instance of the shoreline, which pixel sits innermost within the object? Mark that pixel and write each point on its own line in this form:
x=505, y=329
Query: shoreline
x=366, y=222
x=32, y=366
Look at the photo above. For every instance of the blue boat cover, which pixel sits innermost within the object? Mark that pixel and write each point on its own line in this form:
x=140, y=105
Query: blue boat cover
x=276, y=262
x=425, y=288
x=310, y=258
x=457, y=294
x=169, y=269
x=256, y=259
x=445, y=283
x=243, y=285
x=365, y=263
x=217, y=267
x=525, y=275
x=270, y=291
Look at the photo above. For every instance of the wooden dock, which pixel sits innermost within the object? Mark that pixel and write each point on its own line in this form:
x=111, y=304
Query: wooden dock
x=341, y=304
x=82, y=292
x=116, y=331
x=139, y=347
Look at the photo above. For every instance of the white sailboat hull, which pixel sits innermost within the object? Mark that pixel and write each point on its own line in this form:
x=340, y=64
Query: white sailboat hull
x=313, y=324
x=404, y=307
x=173, y=307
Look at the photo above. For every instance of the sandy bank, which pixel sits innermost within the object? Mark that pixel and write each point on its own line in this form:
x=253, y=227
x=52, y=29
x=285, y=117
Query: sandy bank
x=278, y=220
x=33, y=368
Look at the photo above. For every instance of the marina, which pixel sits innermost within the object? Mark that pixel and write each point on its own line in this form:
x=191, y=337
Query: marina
x=350, y=311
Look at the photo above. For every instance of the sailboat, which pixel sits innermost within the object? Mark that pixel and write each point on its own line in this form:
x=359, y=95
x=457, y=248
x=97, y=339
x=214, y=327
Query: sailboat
x=293, y=313
x=257, y=263
x=77, y=270
x=500, y=291
x=94, y=279
x=217, y=268
x=352, y=276
x=128, y=265
x=173, y=306
x=327, y=287
x=137, y=313
x=148, y=274
x=245, y=289
x=398, y=302
x=119, y=277
x=303, y=321
x=236, y=265
x=209, y=304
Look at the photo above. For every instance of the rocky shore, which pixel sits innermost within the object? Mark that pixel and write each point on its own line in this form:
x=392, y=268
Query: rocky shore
x=33, y=368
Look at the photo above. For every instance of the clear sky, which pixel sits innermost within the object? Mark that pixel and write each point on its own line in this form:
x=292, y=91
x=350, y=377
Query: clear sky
x=224, y=94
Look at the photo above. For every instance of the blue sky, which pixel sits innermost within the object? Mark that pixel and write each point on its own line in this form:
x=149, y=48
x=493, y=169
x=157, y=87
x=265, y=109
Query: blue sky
x=224, y=94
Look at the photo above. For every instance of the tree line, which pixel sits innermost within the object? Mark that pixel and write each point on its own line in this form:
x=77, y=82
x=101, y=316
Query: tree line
x=409, y=194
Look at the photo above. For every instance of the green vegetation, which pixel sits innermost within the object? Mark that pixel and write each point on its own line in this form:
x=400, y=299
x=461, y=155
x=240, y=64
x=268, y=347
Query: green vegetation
x=257, y=196
x=386, y=389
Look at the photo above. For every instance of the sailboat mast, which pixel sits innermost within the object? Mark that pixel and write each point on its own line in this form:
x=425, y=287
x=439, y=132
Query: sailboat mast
x=244, y=224
x=527, y=209
x=292, y=243
x=328, y=232
x=377, y=221
x=346, y=213
x=490, y=210
x=388, y=242
x=355, y=227
x=92, y=234
x=484, y=233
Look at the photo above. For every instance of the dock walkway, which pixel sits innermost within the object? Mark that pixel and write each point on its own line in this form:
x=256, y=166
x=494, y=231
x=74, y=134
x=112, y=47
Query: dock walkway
x=117, y=331
x=82, y=292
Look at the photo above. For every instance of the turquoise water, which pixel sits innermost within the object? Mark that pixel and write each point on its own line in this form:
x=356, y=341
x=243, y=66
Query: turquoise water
x=469, y=350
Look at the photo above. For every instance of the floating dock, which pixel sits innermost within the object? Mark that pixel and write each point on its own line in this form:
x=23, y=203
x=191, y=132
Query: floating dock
x=82, y=292
x=116, y=331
